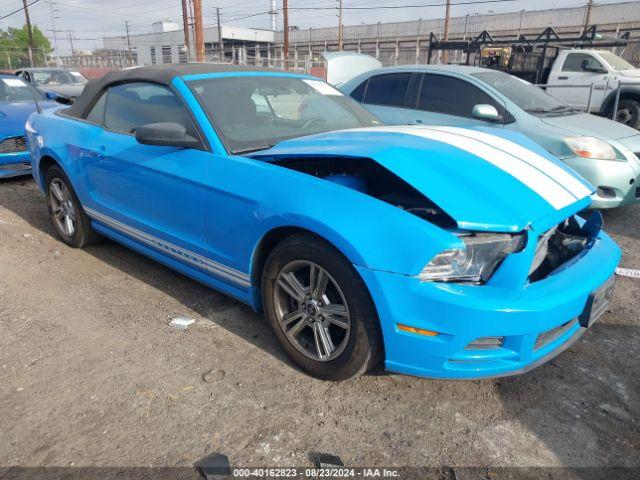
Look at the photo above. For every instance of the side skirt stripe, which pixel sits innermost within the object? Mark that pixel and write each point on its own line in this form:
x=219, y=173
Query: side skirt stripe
x=179, y=253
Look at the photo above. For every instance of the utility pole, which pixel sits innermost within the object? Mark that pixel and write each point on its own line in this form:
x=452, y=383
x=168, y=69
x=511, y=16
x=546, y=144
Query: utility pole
x=55, y=35
x=26, y=14
x=70, y=37
x=274, y=13
x=185, y=27
x=285, y=14
x=126, y=26
x=447, y=14
x=587, y=17
x=220, y=42
x=197, y=18
x=340, y=31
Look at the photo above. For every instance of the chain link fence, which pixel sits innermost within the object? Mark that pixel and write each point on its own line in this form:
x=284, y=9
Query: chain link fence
x=15, y=58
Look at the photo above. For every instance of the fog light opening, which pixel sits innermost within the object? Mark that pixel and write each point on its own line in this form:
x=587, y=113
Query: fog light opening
x=485, y=343
x=606, y=192
x=419, y=331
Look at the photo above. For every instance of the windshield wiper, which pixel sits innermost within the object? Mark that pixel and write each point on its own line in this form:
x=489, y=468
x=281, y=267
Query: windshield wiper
x=251, y=150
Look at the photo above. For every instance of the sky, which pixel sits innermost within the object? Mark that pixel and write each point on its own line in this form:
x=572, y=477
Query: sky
x=87, y=21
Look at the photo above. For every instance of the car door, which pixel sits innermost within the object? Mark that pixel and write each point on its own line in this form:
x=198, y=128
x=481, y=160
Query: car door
x=579, y=69
x=447, y=100
x=388, y=96
x=151, y=193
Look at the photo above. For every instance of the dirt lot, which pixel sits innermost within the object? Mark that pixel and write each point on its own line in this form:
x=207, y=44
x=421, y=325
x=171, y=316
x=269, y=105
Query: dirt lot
x=92, y=374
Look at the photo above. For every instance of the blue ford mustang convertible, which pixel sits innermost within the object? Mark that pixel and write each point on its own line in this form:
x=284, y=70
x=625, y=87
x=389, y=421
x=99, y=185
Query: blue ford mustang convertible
x=442, y=252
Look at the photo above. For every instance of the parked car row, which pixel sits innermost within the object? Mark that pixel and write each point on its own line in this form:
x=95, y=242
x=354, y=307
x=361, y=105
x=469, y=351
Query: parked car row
x=604, y=152
x=437, y=251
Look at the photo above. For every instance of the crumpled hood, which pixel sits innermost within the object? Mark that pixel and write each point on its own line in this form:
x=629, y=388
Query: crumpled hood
x=485, y=179
x=590, y=126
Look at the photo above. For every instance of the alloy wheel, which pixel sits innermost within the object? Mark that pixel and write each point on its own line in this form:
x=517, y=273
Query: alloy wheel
x=62, y=209
x=312, y=310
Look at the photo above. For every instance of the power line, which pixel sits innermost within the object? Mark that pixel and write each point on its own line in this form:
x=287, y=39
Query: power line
x=19, y=10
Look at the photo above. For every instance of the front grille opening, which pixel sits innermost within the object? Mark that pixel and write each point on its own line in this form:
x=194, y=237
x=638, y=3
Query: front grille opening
x=637, y=192
x=485, y=343
x=13, y=145
x=549, y=336
x=606, y=192
x=556, y=247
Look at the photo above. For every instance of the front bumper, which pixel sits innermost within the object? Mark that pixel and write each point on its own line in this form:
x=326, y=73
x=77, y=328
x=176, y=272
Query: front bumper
x=537, y=321
x=14, y=164
x=618, y=183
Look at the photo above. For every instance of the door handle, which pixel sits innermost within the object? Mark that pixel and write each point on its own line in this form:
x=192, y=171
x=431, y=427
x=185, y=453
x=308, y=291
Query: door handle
x=563, y=78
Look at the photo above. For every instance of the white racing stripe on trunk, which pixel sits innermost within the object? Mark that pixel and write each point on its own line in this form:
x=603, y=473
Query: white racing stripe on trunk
x=547, y=188
x=564, y=178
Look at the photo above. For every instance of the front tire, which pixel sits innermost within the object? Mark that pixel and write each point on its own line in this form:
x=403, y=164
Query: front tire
x=71, y=223
x=320, y=309
x=629, y=113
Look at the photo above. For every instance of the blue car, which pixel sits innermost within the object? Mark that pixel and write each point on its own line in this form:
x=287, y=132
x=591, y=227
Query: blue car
x=438, y=251
x=18, y=100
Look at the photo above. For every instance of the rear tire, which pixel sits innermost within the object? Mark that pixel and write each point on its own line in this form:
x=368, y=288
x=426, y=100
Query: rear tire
x=320, y=309
x=71, y=223
x=629, y=113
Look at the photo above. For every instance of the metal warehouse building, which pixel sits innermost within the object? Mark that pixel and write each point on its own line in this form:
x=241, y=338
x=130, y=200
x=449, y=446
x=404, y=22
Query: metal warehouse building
x=393, y=43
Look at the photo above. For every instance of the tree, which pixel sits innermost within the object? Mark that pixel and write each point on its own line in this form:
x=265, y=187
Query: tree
x=14, y=45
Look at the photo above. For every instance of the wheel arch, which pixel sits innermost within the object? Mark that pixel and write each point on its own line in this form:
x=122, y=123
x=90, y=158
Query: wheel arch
x=626, y=93
x=278, y=234
x=45, y=162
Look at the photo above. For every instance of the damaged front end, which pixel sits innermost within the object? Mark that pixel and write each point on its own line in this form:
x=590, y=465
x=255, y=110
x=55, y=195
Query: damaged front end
x=564, y=242
x=371, y=178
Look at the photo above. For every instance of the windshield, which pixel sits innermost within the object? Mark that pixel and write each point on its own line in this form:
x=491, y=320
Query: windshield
x=15, y=90
x=615, y=61
x=256, y=112
x=58, y=77
x=527, y=96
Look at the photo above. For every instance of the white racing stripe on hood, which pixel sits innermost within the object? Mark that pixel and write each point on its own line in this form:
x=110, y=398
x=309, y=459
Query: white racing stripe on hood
x=564, y=178
x=546, y=187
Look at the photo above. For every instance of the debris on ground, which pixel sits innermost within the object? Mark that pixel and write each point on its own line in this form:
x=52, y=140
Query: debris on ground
x=181, y=323
x=214, y=376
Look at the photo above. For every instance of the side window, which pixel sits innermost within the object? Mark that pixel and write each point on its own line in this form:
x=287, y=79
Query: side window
x=574, y=61
x=453, y=96
x=96, y=115
x=133, y=104
x=388, y=89
x=358, y=92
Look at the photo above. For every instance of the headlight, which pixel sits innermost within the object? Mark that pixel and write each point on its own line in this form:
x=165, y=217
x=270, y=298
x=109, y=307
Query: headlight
x=482, y=254
x=590, y=147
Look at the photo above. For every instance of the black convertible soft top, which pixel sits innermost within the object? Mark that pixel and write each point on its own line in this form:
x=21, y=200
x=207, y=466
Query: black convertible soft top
x=162, y=74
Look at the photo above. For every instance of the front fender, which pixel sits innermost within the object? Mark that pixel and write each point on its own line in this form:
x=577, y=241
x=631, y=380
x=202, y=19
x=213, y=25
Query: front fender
x=368, y=231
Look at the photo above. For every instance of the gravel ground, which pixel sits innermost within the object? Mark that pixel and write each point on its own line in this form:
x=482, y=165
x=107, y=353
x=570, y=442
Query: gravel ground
x=92, y=374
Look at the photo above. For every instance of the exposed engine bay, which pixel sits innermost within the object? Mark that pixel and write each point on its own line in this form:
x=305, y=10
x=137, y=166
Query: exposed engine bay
x=370, y=178
x=562, y=243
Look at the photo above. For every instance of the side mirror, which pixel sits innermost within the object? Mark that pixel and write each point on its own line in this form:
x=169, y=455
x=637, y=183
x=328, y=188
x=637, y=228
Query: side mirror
x=56, y=97
x=484, y=111
x=167, y=134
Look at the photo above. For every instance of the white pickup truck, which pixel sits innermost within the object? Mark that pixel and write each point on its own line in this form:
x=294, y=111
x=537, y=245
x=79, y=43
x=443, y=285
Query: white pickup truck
x=578, y=69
